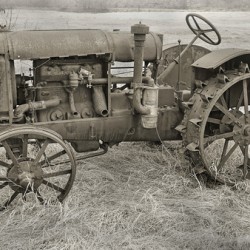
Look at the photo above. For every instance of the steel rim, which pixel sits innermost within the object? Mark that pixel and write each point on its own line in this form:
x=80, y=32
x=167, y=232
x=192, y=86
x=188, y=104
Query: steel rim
x=224, y=162
x=37, y=168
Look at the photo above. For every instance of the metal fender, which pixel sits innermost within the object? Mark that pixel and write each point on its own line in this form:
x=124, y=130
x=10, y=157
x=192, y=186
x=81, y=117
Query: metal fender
x=218, y=57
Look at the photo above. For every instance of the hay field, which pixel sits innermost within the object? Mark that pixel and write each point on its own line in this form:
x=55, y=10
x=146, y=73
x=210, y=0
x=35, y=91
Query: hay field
x=137, y=196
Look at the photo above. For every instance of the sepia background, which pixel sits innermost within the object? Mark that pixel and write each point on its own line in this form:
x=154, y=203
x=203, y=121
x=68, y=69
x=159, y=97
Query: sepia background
x=138, y=195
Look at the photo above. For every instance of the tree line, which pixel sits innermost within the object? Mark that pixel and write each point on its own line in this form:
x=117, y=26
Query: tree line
x=109, y=5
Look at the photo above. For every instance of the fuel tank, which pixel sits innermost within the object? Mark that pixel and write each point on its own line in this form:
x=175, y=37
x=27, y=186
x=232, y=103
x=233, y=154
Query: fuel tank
x=39, y=44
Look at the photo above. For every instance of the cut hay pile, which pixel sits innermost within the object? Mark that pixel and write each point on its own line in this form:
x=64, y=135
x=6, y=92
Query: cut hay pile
x=137, y=196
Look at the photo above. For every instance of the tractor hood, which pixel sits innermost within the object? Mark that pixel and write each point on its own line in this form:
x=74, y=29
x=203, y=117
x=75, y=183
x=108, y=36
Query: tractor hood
x=38, y=44
x=218, y=57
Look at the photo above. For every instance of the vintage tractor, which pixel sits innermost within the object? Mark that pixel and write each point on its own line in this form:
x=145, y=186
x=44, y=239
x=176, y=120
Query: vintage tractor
x=71, y=100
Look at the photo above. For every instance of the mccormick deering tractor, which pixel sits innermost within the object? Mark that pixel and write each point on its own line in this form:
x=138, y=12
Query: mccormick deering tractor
x=72, y=101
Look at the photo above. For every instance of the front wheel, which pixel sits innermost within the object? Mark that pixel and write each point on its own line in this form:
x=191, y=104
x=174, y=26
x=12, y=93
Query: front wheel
x=36, y=164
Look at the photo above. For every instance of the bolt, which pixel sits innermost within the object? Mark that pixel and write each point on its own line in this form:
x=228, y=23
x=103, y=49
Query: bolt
x=247, y=130
x=19, y=171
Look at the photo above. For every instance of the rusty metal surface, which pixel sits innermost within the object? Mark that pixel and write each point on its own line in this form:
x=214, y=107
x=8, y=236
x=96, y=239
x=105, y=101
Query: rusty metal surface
x=216, y=120
x=218, y=57
x=57, y=43
x=75, y=97
x=65, y=43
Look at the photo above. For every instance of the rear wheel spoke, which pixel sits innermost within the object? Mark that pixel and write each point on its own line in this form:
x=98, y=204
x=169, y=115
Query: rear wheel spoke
x=227, y=156
x=245, y=98
x=225, y=147
x=245, y=165
x=227, y=113
x=240, y=101
x=213, y=120
x=223, y=102
x=212, y=138
x=243, y=152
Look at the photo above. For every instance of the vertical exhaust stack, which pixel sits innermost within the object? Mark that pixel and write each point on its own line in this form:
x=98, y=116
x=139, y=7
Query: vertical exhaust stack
x=145, y=98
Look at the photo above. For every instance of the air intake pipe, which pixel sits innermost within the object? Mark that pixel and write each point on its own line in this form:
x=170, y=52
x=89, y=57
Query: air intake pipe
x=139, y=31
x=145, y=98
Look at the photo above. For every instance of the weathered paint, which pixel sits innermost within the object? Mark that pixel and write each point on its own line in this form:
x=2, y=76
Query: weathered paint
x=36, y=44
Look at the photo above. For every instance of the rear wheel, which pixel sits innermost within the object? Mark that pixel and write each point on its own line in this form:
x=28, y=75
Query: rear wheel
x=216, y=129
x=36, y=164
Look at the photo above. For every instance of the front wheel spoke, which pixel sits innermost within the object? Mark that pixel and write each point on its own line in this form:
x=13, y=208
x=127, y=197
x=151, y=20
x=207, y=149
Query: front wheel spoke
x=227, y=113
x=12, y=198
x=41, y=151
x=51, y=158
x=226, y=157
x=51, y=185
x=212, y=138
x=25, y=146
x=3, y=178
x=39, y=197
x=4, y=164
x=9, y=152
x=63, y=172
x=4, y=185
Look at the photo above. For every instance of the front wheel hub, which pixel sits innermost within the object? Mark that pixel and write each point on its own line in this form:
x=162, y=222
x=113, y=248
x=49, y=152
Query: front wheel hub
x=25, y=175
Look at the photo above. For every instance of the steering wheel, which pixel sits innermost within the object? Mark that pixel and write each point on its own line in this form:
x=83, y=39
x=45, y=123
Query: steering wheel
x=202, y=33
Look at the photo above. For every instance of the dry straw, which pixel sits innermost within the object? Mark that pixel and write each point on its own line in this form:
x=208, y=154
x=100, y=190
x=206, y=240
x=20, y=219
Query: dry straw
x=134, y=197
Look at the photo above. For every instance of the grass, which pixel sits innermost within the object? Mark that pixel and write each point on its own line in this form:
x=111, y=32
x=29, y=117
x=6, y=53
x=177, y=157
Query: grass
x=137, y=196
